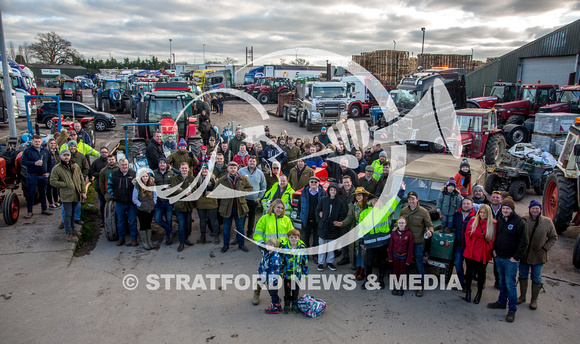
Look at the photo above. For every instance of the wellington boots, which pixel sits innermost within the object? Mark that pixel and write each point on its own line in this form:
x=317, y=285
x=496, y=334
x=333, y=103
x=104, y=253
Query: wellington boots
x=523, y=290
x=143, y=237
x=149, y=235
x=467, y=297
x=535, y=292
x=256, y=298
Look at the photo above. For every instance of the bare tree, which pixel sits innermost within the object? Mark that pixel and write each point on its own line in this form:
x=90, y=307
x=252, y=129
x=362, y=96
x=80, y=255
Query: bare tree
x=230, y=60
x=283, y=62
x=50, y=48
x=300, y=62
x=25, y=51
x=11, y=50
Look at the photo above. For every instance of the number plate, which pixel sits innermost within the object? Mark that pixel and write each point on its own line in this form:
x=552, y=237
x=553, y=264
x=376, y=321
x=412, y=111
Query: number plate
x=436, y=263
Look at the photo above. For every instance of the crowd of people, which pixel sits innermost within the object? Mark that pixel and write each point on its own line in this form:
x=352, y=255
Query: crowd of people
x=266, y=176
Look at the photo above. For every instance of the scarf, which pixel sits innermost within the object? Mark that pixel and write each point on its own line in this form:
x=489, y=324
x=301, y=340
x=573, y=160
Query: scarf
x=467, y=176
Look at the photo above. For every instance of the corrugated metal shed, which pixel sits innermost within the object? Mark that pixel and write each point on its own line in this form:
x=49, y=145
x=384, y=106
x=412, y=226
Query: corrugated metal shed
x=563, y=42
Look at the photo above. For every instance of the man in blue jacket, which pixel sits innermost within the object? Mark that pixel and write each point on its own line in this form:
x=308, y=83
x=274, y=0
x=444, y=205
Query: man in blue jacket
x=38, y=162
x=309, y=198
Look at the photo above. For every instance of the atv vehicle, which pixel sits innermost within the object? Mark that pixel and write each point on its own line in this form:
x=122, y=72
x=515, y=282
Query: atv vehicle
x=112, y=94
x=518, y=178
x=70, y=90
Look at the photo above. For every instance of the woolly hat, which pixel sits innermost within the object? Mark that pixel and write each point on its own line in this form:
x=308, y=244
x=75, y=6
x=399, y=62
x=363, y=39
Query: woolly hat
x=204, y=165
x=451, y=181
x=72, y=143
x=164, y=159
x=509, y=202
x=383, y=153
x=182, y=143
x=333, y=185
x=478, y=187
x=464, y=162
x=534, y=203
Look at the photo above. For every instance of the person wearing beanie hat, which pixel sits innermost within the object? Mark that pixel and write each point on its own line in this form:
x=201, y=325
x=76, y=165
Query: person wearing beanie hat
x=479, y=196
x=508, y=248
x=463, y=178
x=448, y=202
x=541, y=238
x=182, y=155
x=330, y=210
x=378, y=165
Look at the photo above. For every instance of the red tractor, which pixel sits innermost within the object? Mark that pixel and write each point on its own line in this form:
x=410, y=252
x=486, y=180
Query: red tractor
x=531, y=98
x=70, y=90
x=480, y=135
x=9, y=182
x=259, y=81
x=568, y=101
x=501, y=92
x=277, y=86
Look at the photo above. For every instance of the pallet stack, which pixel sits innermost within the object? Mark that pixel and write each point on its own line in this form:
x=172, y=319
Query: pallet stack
x=428, y=61
x=389, y=65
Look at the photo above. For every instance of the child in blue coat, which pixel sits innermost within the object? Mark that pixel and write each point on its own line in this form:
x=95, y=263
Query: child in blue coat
x=448, y=202
x=269, y=271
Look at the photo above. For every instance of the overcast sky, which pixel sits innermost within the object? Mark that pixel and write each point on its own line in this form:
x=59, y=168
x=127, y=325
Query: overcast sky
x=142, y=28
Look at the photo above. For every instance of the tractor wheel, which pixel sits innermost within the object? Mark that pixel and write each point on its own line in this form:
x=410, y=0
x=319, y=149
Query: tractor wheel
x=432, y=210
x=139, y=146
x=472, y=105
x=264, y=97
x=576, y=256
x=308, y=123
x=11, y=208
x=515, y=133
x=290, y=119
x=126, y=106
x=491, y=182
x=355, y=111
x=494, y=149
x=559, y=201
x=518, y=190
x=106, y=105
x=141, y=131
x=100, y=125
x=436, y=144
x=110, y=224
x=516, y=119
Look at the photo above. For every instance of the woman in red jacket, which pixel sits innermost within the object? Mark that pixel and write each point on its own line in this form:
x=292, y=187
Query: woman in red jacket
x=479, y=236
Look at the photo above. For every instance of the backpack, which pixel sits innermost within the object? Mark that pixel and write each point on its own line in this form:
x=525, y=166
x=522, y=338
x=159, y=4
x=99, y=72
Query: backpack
x=311, y=307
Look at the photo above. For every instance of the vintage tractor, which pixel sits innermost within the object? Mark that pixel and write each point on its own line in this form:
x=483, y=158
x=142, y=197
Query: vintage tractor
x=70, y=90
x=516, y=179
x=9, y=182
x=531, y=98
x=480, y=135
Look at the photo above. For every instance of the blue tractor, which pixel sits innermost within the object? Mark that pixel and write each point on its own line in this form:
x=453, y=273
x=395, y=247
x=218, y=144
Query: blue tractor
x=113, y=94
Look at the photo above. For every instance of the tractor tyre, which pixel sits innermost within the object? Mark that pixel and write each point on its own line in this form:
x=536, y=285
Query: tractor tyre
x=491, y=182
x=106, y=105
x=516, y=119
x=126, y=106
x=355, y=111
x=517, y=190
x=576, y=255
x=110, y=224
x=560, y=200
x=495, y=149
x=142, y=130
x=264, y=98
x=11, y=208
x=473, y=104
x=139, y=147
x=515, y=133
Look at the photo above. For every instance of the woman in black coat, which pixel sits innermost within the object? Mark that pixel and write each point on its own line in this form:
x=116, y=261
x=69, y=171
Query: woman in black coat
x=331, y=208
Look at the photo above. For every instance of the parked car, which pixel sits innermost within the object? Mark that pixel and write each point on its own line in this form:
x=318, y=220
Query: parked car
x=48, y=110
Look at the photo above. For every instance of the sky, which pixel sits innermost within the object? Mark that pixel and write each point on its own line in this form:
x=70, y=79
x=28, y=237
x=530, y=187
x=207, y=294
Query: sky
x=127, y=28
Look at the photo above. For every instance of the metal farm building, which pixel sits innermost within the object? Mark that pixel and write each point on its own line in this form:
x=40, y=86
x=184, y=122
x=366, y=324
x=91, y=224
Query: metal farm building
x=553, y=59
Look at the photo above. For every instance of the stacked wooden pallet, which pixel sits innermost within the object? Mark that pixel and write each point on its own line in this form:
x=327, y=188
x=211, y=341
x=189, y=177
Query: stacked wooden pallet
x=389, y=65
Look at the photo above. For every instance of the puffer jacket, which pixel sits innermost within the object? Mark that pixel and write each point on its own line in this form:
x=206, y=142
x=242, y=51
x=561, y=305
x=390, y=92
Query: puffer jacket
x=294, y=264
x=541, y=242
x=448, y=203
x=69, y=181
x=326, y=228
x=270, y=266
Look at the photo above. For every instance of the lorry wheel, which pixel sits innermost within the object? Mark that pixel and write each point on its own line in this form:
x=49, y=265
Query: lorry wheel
x=301, y=119
x=308, y=124
x=106, y=105
x=559, y=201
x=495, y=149
x=264, y=98
x=491, y=183
x=285, y=113
x=355, y=111
x=516, y=119
x=518, y=190
x=11, y=208
x=576, y=255
x=515, y=133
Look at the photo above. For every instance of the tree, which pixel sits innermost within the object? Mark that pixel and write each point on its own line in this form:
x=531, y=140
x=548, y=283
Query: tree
x=11, y=50
x=282, y=62
x=25, y=51
x=50, y=48
x=230, y=61
x=300, y=62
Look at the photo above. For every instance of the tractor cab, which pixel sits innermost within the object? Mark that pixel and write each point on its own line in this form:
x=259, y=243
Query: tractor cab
x=501, y=92
x=70, y=90
x=568, y=100
x=531, y=98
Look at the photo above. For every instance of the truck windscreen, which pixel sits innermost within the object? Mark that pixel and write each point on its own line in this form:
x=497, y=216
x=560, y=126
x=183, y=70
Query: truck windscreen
x=329, y=92
x=407, y=99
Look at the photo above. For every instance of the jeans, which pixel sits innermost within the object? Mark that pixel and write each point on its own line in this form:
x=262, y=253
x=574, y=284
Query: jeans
x=418, y=254
x=459, y=263
x=447, y=221
x=102, y=203
x=204, y=214
x=360, y=257
x=183, y=218
x=239, y=228
x=77, y=211
x=536, y=272
x=126, y=212
x=164, y=208
x=33, y=183
x=67, y=216
x=507, y=271
x=326, y=256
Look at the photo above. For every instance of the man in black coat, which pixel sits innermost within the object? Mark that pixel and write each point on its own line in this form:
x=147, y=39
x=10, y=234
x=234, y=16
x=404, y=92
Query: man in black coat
x=154, y=151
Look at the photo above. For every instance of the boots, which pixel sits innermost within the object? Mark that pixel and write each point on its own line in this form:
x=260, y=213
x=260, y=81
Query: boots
x=477, y=297
x=357, y=273
x=149, y=233
x=202, y=239
x=286, y=307
x=535, y=292
x=467, y=297
x=382, y=281
x=523, y=290
x=256, y=298
x=420, y=291
x=143, y=237
x=274, y=308
x=362, y=274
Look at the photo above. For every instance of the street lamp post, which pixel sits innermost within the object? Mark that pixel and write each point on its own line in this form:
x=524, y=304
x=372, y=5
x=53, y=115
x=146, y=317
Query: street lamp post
x=422, y=47
x=170, y=52
x=174, y=66
x=394, y=45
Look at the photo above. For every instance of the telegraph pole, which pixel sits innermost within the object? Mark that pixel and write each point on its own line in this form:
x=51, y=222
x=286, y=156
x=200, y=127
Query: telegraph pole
x=7, y=83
